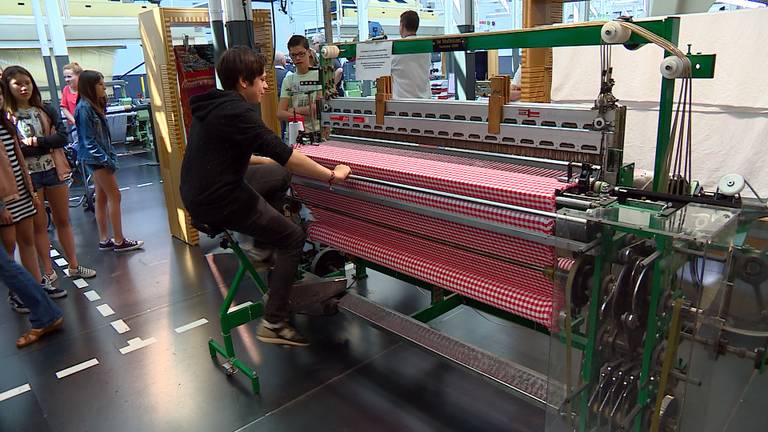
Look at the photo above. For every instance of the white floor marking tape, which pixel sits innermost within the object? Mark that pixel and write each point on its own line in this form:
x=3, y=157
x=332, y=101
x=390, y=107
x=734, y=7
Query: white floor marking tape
x=54, y=253
x=61, y=262
x=80, y=283
x=137, y=344
x=120, y=326
x=122, y=189
x=190, y=326
x=92, y=295
x=76, y=368
x=240, y=306
x=143, y=185
x=15, y=392
x=105, y=310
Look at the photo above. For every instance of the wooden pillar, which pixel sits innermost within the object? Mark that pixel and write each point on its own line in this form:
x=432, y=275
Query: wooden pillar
x=536, y=78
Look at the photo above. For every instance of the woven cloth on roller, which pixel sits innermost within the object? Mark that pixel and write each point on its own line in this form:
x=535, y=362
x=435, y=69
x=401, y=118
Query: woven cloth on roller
x=487, y=280
x=454, y=234
x=448, y=174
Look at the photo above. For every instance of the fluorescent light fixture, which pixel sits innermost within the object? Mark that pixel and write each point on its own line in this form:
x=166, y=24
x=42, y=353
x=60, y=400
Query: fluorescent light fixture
x=743, y=3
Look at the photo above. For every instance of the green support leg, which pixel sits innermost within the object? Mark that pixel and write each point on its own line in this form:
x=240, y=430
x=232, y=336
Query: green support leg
x=230, y=320
x=360, y=270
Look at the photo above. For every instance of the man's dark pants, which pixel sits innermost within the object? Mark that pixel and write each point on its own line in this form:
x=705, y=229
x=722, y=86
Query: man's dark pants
x=271, y=229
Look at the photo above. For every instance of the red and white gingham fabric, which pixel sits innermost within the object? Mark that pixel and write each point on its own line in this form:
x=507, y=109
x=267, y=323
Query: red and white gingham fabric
x=506, y=187
x=521, y=291
x=455, y=234
x=459, y=257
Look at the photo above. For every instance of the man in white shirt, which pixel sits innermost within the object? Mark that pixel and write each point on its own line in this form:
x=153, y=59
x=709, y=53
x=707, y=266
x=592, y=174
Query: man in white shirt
x=410, y=72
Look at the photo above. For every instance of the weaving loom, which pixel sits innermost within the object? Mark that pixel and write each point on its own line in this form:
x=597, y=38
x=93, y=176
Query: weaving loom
x=527, y=210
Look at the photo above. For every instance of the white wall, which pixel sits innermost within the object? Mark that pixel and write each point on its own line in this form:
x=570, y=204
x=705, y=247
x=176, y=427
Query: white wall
x=730, y=123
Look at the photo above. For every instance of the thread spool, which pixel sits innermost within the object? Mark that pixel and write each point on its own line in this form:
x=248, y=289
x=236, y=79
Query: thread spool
x=330, y=52
x=294, y=128
x=731, y=185
x=615, y=33
x=672, y=67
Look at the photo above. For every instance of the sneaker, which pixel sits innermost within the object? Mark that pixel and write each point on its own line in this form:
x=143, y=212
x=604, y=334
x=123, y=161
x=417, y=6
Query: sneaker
x=16, y=303
x=81, y=272
x=281, y=334
x=52, y=291
x=107, y=245
x=128, y=245
x=50, y=279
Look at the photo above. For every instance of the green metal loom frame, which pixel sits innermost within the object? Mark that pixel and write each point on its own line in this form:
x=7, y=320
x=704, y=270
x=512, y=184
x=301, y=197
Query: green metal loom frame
x=703, y=67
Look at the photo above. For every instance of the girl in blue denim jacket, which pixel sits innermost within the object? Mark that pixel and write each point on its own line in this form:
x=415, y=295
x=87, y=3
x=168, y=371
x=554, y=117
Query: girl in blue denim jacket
x=95, y=151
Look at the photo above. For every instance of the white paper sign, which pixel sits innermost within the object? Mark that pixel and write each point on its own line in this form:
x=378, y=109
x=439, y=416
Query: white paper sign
x=373, y=60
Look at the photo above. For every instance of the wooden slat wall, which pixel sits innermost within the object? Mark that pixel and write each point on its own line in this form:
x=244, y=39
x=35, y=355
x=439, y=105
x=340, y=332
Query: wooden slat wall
x=536, y=78
x=262, y=30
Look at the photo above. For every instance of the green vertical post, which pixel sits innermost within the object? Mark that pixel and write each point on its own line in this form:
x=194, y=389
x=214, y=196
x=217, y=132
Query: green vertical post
x=589, y=365
x=651, y=340
x=666, y=108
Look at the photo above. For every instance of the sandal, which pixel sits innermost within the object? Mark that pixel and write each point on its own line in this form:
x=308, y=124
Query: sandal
x=33, y=335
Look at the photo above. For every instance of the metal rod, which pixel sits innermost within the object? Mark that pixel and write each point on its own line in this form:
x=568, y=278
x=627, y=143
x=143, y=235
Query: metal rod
x=650, y=259
x=526, y=210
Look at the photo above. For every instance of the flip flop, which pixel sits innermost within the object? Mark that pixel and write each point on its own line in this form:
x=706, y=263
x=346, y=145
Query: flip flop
x=33, y=335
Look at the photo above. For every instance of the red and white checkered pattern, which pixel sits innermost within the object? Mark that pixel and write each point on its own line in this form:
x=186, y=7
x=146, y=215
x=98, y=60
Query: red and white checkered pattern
x=500, y=186
x=483, y=163
x=521, y=291
x=440, y=230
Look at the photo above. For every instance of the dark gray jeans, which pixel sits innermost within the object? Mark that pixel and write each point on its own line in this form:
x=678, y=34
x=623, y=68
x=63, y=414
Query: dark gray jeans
x=270, y=229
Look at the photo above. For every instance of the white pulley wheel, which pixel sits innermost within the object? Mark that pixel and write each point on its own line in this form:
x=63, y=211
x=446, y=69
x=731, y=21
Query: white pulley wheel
x=672, y=67
x=598, y=123
x=615, y=33
x=731, y=184
x=330, y=51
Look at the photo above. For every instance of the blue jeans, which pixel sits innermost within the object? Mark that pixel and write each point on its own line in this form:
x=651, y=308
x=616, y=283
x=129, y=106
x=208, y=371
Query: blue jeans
x=42, y=311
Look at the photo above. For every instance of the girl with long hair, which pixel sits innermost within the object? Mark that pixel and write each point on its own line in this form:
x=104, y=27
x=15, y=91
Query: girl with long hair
x=95, y=151
x=43, y=136
x=18, y=204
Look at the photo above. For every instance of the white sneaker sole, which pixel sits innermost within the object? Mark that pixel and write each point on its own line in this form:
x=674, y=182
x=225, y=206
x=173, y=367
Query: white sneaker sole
x=281, y=341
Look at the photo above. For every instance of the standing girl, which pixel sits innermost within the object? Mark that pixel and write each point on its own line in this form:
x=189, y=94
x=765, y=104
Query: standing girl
x=69, y=98
x=43, y=136
x=95, y=150
x=17, y=200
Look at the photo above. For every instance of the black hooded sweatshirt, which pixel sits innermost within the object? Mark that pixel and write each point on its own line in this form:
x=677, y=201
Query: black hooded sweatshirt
x=226, y=130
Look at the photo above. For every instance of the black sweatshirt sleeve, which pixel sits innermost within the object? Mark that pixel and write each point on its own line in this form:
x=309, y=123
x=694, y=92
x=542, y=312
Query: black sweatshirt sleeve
x=262, y=140
x=58, y=139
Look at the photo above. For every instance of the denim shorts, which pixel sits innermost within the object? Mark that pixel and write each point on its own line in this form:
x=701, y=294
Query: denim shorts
x=46, y=179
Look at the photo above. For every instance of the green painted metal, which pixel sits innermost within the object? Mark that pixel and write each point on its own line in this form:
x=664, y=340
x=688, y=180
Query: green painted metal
x=702, y=65
x=666, y=101
x=627, y=175
x=590, y=364
x=546, y=37
x=230, y=320
x=360, y=270
x=660, y=271
x=437, y=309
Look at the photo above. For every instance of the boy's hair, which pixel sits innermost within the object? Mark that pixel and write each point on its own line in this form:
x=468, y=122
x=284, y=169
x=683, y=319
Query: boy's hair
x=86, y=89
x=410, y=21
x=12, y=72
x=74, y=67
x=298, y=40
x=239, y=62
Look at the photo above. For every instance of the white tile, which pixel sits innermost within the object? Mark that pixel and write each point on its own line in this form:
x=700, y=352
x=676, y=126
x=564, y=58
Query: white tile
x=80, y=283
x=14, y=392
x=137, y=344
x=61, y=262
x=144, y=185
x=105, y=310
x=76, y=368
x=190, y=326
x=240, y=306
x=120, y=326
x=54, y=253
x=92, y=295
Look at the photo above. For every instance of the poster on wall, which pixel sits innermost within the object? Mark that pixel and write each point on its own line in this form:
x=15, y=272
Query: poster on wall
x=195, y=68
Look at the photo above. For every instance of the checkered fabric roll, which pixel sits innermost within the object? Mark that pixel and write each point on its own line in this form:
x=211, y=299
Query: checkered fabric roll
x=439, y=230
x=521, y=291
x=491, y=184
